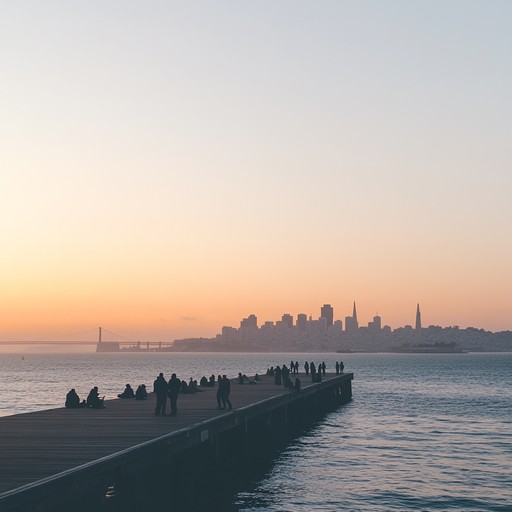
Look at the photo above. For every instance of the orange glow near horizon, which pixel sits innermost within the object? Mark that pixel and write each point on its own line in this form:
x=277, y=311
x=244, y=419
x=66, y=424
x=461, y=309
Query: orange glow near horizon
x=166, y=185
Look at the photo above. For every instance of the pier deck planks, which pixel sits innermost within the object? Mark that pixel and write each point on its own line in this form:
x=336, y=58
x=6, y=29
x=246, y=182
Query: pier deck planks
x=40, y=444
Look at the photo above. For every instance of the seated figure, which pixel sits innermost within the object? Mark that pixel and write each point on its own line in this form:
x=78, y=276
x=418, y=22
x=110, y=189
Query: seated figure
x=127, y=393
x=141, y=393
x=93, y=399
x=72, y=400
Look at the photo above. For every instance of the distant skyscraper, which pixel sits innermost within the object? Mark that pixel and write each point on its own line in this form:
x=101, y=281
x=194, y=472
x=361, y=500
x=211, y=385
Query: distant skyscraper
x=351, y=323
x=354, y=317
x=302, y=322
x=327, y=312
x=287, y=320
x=418, y=318
x=250, y=321
x=376, y=324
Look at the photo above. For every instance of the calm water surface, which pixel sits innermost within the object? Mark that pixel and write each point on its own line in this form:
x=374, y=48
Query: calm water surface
x=424, y=432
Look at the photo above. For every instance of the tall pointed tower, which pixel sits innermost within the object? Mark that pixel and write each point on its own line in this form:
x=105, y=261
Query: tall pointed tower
x=418, y=318
x=354, y=317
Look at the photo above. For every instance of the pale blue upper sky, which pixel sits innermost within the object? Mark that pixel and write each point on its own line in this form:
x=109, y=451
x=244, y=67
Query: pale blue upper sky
x=373, y=136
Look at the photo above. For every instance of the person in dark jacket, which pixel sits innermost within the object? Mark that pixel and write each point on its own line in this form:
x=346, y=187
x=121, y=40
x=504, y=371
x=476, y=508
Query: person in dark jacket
x=173, y=388
x=141, y=393
x=160, y=390
x=127, y=393
x=225, y=391
x=93, y=399
x=72, y=400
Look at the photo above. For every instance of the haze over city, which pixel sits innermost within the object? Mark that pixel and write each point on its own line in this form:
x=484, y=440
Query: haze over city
x=170, y=168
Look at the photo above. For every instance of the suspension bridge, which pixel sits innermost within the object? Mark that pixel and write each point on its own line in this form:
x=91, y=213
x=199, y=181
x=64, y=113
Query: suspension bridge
x=105, y=341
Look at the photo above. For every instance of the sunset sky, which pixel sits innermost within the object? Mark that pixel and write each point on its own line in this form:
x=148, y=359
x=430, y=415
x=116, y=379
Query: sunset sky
x=168, y=168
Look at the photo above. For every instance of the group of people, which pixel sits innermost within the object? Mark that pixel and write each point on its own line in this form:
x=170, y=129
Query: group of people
x=282, y=373
x=140, y=394
x=94, y=401
x=169, y=390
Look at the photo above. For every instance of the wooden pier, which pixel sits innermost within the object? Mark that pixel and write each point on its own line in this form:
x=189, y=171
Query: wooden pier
x=52, y=458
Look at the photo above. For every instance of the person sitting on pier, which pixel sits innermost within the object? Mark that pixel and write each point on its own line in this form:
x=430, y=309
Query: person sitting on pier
x=72, y=400
x=93, y=399
x=141, y=393
x=184, y=387
x=193, y=387
x=211, y=381
x=204, y=381
x=127, y=393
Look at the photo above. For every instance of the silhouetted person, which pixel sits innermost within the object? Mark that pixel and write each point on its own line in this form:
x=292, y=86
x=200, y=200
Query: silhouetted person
x=93, y=399
x=312, y=369
x=240, y=378
x=296, y=367
x=323, y=368
x=342, y=366
x=306, y=368
x=203, y=382
x=337, y=366
x=278, y=376
x=285, y=373
x=160, y=390
x=184, y=387
x=141, y=393
x=174, y=387
x=226, y=390
x=127, y=393
x=211, y=380
x=72, y=400
x=219, y=392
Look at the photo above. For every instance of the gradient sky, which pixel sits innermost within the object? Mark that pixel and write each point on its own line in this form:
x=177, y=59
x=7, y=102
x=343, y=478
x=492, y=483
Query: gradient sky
x=168, y=168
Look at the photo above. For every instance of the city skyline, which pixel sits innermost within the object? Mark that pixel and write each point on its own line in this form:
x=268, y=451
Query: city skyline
x=168, y=167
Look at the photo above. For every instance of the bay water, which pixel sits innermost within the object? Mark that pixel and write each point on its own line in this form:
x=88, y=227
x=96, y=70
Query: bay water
x=423, y=432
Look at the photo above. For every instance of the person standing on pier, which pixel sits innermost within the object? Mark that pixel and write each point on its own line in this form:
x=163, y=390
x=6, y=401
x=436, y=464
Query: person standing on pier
x=219, y=392
x=160, y=390
x=337, y=366
x=174, y=390
x=306, y=368
x=226, y=390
